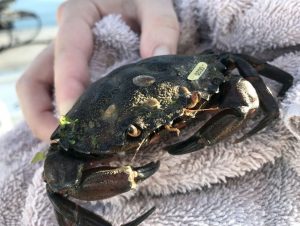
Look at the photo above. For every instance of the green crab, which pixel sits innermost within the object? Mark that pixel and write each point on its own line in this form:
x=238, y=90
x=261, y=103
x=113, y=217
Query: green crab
x=176, y=103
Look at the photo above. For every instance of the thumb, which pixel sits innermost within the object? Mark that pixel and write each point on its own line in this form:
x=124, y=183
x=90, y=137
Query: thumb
x=159, y=26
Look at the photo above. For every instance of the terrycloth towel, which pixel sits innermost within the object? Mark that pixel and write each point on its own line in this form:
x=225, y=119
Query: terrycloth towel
x=255, y=182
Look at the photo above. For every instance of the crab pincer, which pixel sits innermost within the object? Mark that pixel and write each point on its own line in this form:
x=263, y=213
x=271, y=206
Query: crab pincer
x=75, y=178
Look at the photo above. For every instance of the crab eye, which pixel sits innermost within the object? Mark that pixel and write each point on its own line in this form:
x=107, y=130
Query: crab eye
x=133, y=131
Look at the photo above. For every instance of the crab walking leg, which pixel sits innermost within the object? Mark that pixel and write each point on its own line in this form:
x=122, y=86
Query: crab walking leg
x=215, y=129
x=69, y=213
x=270, y=72
x=141, y=218
x=237, y=100
x=267, y=101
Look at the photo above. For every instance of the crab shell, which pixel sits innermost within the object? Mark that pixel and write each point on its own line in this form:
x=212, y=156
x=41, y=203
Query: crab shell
x=148, y=94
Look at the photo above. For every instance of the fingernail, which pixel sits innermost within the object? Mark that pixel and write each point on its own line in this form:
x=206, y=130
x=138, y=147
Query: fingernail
x=161, y=50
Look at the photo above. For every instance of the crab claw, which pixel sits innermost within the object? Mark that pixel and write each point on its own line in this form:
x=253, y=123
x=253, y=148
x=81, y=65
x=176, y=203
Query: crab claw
x=146, y=171
x=100, y=183
x=81, y=180
x=67, y=176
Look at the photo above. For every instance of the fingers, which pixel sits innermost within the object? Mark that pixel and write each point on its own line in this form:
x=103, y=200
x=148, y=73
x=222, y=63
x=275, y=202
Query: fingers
x=159, y=26
x=34, y=90
x=73, y=49
x=65, y=65
x=74, y=41
x=74, y=45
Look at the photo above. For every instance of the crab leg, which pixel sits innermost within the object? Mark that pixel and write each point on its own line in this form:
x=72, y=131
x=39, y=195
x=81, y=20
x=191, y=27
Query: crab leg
x=267, y=101
x=229, y=120
x=70, y=213
x=141, y=218
x=270, y=72
x=215, y=129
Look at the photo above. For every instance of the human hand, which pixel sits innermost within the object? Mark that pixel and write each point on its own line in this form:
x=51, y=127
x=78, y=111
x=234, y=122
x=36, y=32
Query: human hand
x=63, y=65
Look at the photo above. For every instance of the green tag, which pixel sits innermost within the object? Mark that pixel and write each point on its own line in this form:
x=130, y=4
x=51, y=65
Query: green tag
x=39, y=156
x=197, y=71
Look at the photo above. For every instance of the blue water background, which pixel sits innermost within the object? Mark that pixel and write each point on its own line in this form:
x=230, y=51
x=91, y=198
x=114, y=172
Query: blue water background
x=45, y=9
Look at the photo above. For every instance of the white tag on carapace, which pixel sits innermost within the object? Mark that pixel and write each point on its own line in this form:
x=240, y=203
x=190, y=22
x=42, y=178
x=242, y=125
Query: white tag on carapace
x=197, y=71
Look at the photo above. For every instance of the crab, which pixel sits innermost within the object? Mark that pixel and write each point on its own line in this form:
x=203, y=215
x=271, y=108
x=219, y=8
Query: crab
x=174, y=103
